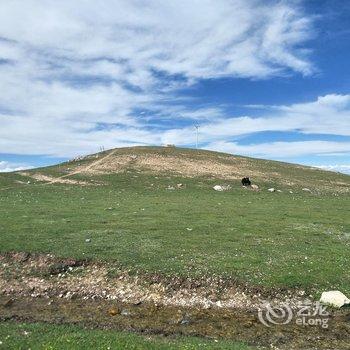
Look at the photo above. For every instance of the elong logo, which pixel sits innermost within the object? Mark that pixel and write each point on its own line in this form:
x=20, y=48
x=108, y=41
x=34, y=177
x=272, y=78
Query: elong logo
x=307, y=314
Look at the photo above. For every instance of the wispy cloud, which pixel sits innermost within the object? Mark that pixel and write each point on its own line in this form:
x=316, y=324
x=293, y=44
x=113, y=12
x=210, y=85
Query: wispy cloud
x=328, y=115
x=282, y=149
x=67, y=67
x=341, y=168
x=110, y=73
x=9, y=166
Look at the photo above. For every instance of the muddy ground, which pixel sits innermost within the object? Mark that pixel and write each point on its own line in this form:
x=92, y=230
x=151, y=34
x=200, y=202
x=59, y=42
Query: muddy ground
x=45, y=288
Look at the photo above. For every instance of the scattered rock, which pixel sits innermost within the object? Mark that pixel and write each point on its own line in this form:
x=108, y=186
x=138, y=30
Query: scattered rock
x=271, y=189
x=185, y=321
x=170, y=188
x=222, y=188
x=113, y=311
x=334, y=298
x=125, y=312
x=88, y=240
x=177, y=318
x=306, y=189
x=254, y=187
x=189, y=229
x=57, y=269
x=180, y=185
x=280, y=191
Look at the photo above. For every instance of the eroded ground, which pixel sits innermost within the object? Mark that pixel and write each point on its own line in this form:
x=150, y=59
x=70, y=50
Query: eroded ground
x=45, y=288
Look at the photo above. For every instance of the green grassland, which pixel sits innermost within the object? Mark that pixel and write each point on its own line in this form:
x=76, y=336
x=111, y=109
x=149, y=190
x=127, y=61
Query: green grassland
x=298, y=239
x=40, y=336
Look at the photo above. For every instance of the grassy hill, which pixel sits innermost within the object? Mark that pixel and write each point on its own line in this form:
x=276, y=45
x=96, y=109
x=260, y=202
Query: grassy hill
x=138, y=239
x=126, y=206
x=189, y=163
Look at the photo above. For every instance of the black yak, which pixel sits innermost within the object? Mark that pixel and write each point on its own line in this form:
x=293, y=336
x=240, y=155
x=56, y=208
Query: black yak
x=246, y=181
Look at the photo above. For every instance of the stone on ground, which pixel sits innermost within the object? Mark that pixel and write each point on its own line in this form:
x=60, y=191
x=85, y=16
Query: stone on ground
x=334, y=298
x=222, y=188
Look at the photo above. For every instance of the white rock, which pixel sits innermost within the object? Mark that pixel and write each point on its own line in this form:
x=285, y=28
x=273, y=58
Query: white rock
x=254, y=187
x=271, y=189
x=219, y=304
x=306, y=189
x=222, y=187
x=334, y=298
x=280, y=191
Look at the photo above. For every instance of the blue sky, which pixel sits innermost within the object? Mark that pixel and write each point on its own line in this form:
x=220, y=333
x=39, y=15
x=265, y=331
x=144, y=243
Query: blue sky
x=266, y=79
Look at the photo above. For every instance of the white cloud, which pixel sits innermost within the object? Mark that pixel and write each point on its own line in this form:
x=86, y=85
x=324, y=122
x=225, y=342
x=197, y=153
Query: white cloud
x=66, y=66
x=9, y=166
x=87, y=63
x=329, y=114
x=281, y=149
x=340, y=168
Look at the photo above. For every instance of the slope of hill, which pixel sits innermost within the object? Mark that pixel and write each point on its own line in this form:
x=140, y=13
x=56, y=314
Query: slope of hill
x=188, y=163
x=134, y=194
x=145, y=224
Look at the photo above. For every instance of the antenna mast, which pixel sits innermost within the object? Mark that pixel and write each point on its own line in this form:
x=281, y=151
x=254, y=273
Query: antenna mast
x=197, y=129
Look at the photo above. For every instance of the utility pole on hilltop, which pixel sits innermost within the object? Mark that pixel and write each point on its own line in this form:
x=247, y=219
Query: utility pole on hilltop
x=197, y=130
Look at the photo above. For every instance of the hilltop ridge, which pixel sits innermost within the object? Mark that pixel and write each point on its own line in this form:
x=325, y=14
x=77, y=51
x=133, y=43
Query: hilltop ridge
x=190, y=163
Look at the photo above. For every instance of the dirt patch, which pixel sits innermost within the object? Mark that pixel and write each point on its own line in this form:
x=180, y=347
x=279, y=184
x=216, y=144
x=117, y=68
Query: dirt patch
x=47, y=276
x=44, y=288
x=182, y=166
x=58, y=180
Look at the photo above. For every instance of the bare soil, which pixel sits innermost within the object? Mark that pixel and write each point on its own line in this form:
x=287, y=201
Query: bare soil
x=45, y=288
x=158, y=163
x=52, y=180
